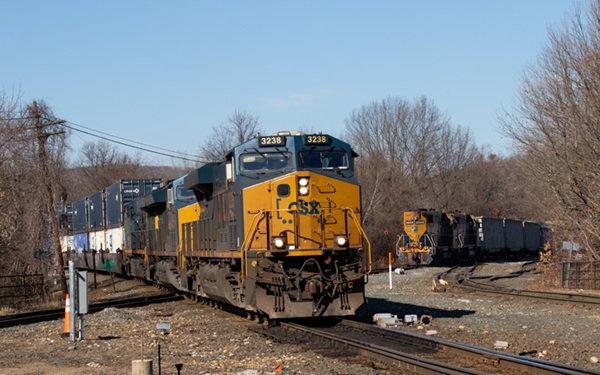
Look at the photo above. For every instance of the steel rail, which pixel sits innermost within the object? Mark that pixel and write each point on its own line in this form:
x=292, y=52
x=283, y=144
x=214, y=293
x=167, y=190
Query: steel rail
x=507, y=361
x=434, y=356
x=467, y=280
x=404, y=361
x=570, y=298
x=54, y=314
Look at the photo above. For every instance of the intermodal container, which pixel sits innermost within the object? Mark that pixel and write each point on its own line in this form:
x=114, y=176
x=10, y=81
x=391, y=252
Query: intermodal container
x=80, y=221
x=123, y=192
x=96, y=211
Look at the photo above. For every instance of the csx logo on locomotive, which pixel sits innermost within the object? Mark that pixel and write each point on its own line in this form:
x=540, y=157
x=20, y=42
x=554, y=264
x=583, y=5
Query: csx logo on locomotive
x=303, y=207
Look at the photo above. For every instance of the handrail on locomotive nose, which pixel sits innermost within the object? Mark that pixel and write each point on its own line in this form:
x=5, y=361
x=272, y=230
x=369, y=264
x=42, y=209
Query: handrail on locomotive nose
x=248, y=242
x=364, y=236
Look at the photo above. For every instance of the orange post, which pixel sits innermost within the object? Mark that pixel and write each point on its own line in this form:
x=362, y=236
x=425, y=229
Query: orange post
x=67, y=325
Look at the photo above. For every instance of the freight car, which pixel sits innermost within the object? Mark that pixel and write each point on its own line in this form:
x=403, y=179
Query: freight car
x=436, y=236
x=274, y=228
x=96, y=222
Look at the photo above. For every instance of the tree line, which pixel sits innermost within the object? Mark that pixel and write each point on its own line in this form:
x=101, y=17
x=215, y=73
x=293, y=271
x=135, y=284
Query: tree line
x=411, y=156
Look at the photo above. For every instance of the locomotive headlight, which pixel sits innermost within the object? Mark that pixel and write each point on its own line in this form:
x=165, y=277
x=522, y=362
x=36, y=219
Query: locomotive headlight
x=303, y=186
x=279, y=242
x=341, y=240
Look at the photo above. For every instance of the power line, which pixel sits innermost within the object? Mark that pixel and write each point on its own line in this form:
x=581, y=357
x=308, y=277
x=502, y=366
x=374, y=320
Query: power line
x=171, y=153
x=130, y=141
x=129, y=144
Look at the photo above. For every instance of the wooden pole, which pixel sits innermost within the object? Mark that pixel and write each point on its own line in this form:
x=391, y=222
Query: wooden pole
x=42, y=137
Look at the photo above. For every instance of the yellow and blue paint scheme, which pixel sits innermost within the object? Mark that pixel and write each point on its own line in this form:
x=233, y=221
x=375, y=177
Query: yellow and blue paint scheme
x=308, y=222
x=274, y=228
x=415, y=246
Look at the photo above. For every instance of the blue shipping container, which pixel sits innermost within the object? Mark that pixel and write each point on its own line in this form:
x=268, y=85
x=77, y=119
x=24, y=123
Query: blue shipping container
x=96, y=211
x=80, y=216
x=123, y=192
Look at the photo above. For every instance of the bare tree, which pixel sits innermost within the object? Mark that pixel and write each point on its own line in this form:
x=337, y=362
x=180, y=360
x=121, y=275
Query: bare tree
x=555, y=126
x=383, y=198
x=27, y=217
x=452, y=153
x=100, y=165
x=11, y=130
x=241, y=127
x=411, y=157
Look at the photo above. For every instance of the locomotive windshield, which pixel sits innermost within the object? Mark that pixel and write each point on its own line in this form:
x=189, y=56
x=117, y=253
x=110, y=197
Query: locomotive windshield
x=262, y=162
x=336, y=159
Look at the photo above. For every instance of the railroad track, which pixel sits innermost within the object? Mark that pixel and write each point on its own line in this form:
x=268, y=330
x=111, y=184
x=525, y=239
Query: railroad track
x=415, y=353
x=487, y=283
x=53, y=314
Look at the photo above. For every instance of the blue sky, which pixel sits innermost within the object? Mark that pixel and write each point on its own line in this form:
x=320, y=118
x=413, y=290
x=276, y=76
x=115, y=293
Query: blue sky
x=164, y=72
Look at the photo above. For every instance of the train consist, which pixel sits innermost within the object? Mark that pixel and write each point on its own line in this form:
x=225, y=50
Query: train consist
x=436, y=236
x=96, y=222
x=274, y=228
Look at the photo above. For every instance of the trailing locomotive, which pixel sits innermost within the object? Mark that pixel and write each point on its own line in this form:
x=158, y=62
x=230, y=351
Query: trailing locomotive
x=274, y=228
x=431, y=236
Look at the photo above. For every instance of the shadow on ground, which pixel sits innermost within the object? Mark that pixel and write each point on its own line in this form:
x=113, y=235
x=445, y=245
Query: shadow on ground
x=379, y=305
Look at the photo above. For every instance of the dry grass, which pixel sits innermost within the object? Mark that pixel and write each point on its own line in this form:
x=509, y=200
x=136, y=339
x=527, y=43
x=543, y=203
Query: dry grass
x=20, y=305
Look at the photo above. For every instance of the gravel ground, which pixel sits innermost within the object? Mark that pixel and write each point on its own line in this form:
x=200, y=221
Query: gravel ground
x=209, y=341
x=554, y=332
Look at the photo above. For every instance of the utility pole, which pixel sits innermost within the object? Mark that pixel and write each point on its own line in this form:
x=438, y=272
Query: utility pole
x=42, y=138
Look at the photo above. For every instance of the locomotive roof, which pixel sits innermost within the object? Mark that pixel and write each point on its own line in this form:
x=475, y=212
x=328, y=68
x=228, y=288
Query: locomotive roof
x=285, y=145
x=293, y=140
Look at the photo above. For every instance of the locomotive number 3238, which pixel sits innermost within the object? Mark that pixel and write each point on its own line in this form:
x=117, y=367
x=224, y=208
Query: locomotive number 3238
x=271, y=141
x=317, y=139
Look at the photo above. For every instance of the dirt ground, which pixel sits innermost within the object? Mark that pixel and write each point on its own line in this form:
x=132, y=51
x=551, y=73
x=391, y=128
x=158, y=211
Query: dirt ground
x=209, y=341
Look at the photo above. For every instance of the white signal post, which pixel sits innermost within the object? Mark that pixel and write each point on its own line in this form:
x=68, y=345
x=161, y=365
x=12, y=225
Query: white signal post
x=390, y=266
x=73, y=307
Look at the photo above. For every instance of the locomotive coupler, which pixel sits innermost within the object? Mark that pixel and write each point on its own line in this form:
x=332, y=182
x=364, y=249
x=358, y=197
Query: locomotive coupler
x=314, y=287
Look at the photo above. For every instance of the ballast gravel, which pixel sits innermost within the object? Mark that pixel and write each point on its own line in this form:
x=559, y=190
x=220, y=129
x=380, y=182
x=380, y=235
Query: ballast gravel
x=209, y=341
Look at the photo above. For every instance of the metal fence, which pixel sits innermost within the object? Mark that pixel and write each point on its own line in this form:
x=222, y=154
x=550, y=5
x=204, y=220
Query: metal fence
x=20, y=287
x=581, y=275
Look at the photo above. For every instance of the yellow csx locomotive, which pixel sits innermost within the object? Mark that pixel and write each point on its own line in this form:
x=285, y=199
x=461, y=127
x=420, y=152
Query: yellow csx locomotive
x=274, y=228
